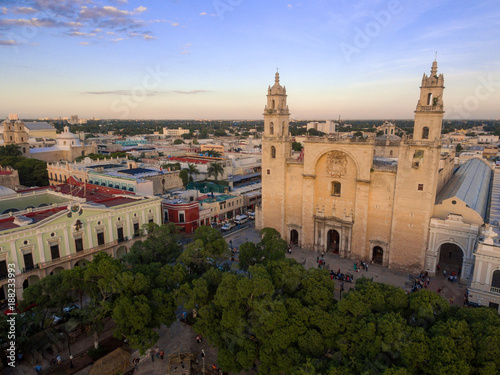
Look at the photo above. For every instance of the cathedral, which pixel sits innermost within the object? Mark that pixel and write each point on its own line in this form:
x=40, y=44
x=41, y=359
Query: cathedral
x=390, y=200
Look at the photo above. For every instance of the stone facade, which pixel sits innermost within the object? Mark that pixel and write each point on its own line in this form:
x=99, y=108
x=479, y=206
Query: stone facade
x=484, y=289
x=339, y=199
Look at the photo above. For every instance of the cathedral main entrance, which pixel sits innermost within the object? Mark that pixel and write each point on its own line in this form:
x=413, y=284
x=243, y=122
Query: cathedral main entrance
x=333, y=241
x=294, y=237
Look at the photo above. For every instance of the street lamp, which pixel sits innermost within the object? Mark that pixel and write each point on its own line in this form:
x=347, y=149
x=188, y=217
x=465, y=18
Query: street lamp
x=203, y=358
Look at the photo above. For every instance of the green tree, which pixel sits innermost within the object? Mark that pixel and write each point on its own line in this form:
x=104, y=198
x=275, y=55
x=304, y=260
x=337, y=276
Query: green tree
x=184, y=176
x=459, y=148
x=297, y=146
x=192, y=170
x=215, y=169
x=271, y=247
x=208, y=249
x=178, y=142
x=10, y=150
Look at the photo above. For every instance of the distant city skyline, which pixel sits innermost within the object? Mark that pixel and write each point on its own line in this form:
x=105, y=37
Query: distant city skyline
x=214, y=60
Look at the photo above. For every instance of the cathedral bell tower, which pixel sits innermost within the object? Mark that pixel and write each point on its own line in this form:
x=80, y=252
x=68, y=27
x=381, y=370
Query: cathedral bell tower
x=429, y=112
x=276, y=114
x=276, y=149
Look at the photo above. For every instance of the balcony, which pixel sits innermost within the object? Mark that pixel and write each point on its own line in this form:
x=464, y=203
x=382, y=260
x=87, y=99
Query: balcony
x=434, y=108
x=34, y=268
x=495, y=290
x=78, y=255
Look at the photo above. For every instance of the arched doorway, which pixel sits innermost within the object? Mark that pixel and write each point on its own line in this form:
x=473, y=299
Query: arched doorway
x=451, y=258
x=294, y=237
x=122, y=250
x=332, y=241
x=56, y=270
x=378, y=255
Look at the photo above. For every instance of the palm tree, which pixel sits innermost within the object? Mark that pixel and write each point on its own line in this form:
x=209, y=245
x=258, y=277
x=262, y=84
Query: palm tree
x=215, y=169
x=192, y=169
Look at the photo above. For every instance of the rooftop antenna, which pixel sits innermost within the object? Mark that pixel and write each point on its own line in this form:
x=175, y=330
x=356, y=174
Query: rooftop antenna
x=436, y=56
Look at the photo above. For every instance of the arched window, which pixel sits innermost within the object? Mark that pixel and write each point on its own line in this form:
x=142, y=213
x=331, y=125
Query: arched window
x=425, y=133
x=273, y=152
x=336, y=187
x=495, y=280
x=429, y=98
x=273, y=104
x=386, y=131
x=390, y=153
x=392, y=131
x=271, y=128
x=283, y=128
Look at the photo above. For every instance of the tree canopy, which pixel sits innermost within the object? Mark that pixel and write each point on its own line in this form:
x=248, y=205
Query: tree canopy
x=275, y=315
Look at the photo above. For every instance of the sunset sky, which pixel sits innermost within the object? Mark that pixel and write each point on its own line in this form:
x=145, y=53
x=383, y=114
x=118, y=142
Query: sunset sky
x=161, y=59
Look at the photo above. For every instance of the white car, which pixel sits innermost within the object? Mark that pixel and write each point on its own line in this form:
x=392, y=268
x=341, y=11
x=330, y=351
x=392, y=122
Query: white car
x=227, y=226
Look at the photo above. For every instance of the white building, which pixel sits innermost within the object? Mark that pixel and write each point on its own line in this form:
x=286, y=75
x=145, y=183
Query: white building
x=325, y=127
x=175, y=132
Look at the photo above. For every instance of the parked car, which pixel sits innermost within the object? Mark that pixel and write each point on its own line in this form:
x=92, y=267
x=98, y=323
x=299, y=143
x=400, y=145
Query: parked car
x=251, y=215
x=227, y=226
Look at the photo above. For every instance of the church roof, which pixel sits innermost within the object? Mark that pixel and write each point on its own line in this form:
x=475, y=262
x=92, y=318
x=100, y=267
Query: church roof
x=38, y=126
x=471, y=184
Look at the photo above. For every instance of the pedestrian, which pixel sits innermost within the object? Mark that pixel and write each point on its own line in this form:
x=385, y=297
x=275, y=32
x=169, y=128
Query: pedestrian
x=58, y=359
x=135, y=362
x=451, y=300
x=38, y=369
x=198, y=339
x=162, y=354
x=231, y=244
x=157, y=352
x=152, y=354
x=366, y=267
x=438, y=267
x=355, y=267
x=444, y=273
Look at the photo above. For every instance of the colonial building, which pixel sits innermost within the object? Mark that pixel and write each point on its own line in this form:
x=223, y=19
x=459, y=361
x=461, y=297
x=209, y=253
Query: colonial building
x=45, y=231
x=362, y=198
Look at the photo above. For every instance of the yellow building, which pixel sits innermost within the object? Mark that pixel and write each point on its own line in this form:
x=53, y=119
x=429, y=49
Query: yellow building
x=368, y=199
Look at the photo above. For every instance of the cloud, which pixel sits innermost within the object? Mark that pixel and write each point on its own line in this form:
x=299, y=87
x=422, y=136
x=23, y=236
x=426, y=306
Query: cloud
x=140, y=9
x=8, y=43
x=208, y=14
x=191, y=92
x=84, y=43
x=80, y=33
x=81, y=18
x=117, y=40
x=290, y=6
x=97, y=12
x=35, y=22
x=149, y=93
x=24, y=10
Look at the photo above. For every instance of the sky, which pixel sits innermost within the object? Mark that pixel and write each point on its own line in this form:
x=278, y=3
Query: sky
x=214, y=59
